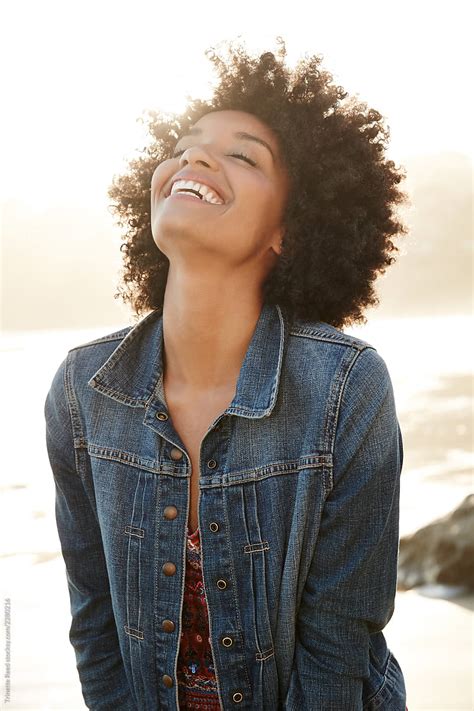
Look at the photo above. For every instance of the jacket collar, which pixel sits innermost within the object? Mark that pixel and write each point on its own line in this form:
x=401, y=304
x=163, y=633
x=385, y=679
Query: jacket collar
x=133, y=373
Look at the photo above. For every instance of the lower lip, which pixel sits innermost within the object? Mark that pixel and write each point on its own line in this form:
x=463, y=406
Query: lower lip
x=190, y=198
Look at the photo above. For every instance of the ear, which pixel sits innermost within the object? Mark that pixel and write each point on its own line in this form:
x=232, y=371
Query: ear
x=277, y=242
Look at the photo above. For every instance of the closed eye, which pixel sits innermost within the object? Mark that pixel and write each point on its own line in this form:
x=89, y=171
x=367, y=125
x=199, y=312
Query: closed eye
x=242, y=156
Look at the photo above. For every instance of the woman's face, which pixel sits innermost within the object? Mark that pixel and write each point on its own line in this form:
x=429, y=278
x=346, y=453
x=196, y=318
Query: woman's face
x=233, y=161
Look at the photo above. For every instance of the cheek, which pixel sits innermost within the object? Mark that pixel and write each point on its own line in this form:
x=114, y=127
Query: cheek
x=263, y=200
x=161, y=174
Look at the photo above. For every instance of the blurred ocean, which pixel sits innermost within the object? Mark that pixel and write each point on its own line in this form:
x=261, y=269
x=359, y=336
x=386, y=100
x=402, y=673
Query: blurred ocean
x=431, y=364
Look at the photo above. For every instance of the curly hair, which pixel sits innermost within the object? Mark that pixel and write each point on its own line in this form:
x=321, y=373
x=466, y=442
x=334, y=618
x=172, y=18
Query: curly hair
x=341, y=215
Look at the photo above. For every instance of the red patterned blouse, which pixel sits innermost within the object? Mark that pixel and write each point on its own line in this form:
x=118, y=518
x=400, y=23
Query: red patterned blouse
x=197, y=686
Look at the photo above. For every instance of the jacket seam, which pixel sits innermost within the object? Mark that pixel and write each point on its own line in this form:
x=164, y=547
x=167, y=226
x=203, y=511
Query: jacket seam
x=79, y=440
x=332, y=436
x=337, y=338
x=117, y=395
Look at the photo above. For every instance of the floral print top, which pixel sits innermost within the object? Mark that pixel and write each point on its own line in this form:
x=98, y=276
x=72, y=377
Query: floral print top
x=197, y=685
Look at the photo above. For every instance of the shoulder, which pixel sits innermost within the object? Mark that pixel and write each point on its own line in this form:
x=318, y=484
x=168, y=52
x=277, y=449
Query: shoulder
x=352, y=361
x=321, y=332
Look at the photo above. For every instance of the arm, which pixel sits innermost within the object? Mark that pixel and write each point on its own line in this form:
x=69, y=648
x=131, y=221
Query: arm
x=93, y=633
x=350, y=589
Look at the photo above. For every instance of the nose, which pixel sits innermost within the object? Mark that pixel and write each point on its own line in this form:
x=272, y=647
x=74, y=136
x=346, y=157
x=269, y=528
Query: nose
x=198, y=155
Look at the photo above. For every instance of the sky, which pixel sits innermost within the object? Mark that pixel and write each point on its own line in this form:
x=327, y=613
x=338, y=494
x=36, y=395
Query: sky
x=78, y=75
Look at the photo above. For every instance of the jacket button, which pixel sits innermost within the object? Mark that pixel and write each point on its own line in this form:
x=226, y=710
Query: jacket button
x=212, y=464
x=170, y=512
x=167, y=626
x=222, y=584
x=227, y=641
x=176, y=453
x=161, y=416
x=167, y=680
x=213, y=526
x=169, y=568
x=237, y=697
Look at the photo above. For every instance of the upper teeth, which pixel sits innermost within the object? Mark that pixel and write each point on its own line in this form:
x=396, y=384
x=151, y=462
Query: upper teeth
x=206, y=193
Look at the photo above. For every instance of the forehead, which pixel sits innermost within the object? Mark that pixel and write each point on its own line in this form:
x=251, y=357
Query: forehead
x=232, y=120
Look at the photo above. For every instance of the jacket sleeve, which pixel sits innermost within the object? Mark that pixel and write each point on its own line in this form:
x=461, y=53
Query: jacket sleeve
x=93, y=632
x=350, y=590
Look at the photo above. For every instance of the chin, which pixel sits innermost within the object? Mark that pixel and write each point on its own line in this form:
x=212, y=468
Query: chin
x=173, y=232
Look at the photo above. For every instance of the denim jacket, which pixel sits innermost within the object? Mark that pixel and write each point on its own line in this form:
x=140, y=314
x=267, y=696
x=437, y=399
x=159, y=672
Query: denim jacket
x=298, y=515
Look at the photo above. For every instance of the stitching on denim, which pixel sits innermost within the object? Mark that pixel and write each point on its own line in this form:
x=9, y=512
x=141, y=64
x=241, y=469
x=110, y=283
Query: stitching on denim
x=332, y=426
x=80, y=443
x=281, y=350
x=140, y=555
x=254, y=412
x=138, y=634
x=127, y=586
x=234, y=588
x=265, y=471
x=96, y=380
x=333, y=398
x=120, y=455
x=110, y=363
x=135, y=531
x=257, y=547
x=117, y=396
x=73, y=408
x=133, y=460
x=132, y=335
x=225, y=483
x=339, y=337
x=293, y=465
x=261, y=656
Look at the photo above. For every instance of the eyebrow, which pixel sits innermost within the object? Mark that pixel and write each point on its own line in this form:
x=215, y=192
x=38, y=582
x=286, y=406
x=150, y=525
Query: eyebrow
x=240, y=134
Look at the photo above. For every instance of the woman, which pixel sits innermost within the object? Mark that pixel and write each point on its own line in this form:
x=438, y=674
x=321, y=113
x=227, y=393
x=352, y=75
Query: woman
x=227, y=470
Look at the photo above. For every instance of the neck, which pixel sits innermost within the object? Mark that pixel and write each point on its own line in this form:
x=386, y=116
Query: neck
x=208, y=323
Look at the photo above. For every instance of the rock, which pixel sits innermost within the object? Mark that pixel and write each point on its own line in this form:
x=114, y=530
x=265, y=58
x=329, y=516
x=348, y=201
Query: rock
x=440, y=553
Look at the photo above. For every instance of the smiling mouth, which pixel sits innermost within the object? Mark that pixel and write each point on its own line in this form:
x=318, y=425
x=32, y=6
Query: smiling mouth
x=197, y=190
x=191, y=196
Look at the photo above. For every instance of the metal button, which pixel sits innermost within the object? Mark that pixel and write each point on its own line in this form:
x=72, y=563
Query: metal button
x=170, y=512
x=161, y=416
x=227, y=641
x=212, y=464
x=213, y=526
x=167, y=626
x=167, y=680
x=222, y=584
x=176, y=453
x=169, y=568
x=237, y=697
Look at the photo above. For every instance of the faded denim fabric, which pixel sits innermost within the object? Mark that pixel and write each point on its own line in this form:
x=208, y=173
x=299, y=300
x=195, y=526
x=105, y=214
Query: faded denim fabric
x=298, y=514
